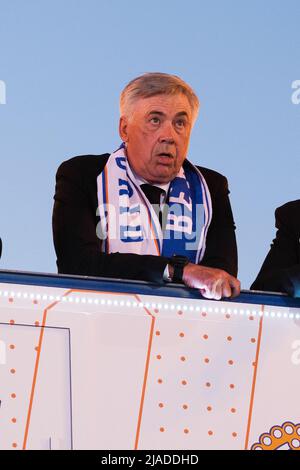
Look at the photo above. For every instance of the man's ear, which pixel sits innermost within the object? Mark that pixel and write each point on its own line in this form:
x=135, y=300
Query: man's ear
x=123, y=124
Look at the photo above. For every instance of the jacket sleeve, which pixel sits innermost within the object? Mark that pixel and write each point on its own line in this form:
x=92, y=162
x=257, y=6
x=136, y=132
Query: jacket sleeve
x=221, y=248
x=280, y=271
x=76, y=244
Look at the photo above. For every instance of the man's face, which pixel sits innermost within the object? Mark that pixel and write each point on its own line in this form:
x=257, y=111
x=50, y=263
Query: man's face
x=157, y=136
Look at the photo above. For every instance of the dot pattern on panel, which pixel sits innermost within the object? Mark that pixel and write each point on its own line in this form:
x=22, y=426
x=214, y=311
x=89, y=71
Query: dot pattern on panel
x=12, y=370
x=16, y=352
x=203, y=337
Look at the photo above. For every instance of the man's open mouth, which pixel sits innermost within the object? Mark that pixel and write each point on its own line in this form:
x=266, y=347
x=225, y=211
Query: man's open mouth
x=165, y=154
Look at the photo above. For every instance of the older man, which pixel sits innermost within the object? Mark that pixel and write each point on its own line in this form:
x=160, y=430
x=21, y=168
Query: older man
x=280, y=271
x=144, y=211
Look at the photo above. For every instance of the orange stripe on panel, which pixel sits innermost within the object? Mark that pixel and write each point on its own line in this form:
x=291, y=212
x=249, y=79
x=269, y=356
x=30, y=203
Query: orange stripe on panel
x=138, y=429
x=254, y=380
x=39, y=353
x=36, y=368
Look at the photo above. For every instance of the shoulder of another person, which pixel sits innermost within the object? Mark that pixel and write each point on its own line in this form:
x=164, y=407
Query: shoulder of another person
x=289, y=214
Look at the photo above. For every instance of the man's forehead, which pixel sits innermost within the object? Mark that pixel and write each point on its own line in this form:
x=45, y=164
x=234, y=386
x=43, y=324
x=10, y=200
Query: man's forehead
x=163, y=103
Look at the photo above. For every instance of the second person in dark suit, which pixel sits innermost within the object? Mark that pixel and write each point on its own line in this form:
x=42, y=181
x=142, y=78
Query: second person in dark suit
x=280, y=271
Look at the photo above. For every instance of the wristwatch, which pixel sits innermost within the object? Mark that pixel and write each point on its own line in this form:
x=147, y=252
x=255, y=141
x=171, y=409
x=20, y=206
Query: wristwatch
x=178, y=263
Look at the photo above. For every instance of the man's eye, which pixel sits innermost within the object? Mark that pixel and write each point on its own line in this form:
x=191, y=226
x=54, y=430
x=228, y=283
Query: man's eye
x=180, y=123
x=155, y=120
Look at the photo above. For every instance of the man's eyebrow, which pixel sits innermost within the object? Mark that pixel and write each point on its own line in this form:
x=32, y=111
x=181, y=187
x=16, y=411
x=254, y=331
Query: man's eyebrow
x=160, y=113
x=182, y=113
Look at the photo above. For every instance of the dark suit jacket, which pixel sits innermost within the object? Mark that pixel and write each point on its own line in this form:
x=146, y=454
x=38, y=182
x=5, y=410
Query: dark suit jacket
x=280, y=271
x=74, y=227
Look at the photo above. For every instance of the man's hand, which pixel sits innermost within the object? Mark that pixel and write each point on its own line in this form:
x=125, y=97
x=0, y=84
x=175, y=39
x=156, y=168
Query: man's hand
x=212, y=283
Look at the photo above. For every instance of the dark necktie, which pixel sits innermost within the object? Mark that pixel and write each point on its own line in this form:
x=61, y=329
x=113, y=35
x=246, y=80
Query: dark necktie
x=153, y=194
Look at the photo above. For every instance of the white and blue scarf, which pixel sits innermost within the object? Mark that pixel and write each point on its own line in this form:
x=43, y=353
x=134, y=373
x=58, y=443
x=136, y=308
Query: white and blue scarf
x=129, y=224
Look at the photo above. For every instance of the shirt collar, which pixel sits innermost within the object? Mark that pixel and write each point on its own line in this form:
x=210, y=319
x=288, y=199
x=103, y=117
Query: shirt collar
x=141, y=180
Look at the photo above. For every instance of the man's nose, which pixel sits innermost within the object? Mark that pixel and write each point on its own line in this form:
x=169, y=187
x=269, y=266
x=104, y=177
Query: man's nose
x=167, y=133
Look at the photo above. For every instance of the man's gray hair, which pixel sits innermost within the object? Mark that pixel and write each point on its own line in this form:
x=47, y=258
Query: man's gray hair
x=152, y=84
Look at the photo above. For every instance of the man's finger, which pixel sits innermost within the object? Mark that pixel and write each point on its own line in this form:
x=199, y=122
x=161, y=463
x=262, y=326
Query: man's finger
x=226, y=290
x=235, y=287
